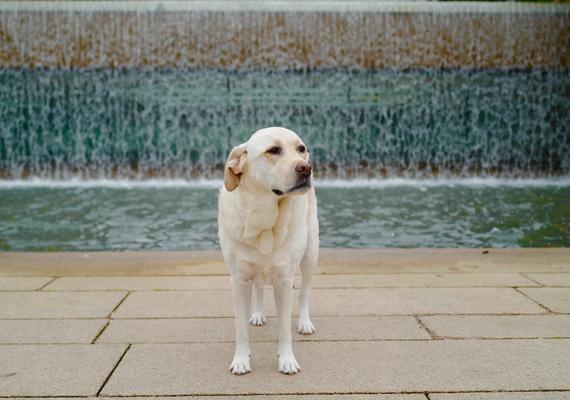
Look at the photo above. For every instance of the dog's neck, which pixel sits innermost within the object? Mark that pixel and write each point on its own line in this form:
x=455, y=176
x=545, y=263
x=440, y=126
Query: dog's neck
x=265, y=216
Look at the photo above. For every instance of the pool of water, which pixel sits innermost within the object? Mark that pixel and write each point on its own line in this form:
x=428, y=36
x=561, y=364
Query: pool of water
x=169, y=215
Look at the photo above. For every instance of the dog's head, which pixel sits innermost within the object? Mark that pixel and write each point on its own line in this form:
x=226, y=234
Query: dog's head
x=274, y=159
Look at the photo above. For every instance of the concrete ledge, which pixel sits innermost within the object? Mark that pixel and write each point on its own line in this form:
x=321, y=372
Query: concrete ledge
x=331, y=261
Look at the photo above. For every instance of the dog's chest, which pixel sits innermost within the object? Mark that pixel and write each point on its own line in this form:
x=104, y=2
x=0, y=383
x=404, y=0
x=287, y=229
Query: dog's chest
x=271, y=273
x=262, y=274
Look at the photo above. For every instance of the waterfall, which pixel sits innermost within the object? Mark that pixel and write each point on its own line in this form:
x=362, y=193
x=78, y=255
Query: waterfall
x=155, y=89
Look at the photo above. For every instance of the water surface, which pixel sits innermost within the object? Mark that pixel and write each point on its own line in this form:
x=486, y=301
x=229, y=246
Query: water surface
x=177, y=216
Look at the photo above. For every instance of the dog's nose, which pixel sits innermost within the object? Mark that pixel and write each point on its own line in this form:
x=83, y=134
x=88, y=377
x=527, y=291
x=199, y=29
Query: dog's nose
x=303, y=169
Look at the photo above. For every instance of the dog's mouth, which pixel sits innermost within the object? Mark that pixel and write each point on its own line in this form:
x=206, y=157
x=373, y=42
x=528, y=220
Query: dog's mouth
x=306, y=184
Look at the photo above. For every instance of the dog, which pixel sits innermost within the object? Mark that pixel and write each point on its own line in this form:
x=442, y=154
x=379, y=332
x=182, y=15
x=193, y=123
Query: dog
x=268, y=228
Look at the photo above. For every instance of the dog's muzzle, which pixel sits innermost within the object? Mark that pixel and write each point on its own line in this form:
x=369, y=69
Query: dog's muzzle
x=303, y=184
x=303, y=170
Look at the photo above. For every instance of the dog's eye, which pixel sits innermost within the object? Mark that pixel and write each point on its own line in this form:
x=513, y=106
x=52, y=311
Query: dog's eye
x=301, y=149
x=274, y=150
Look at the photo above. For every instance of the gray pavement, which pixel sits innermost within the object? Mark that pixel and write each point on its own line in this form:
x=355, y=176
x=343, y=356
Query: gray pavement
x=391, y=325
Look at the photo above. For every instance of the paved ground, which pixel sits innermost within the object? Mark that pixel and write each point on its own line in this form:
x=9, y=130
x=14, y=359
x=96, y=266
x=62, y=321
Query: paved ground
x=391, y=324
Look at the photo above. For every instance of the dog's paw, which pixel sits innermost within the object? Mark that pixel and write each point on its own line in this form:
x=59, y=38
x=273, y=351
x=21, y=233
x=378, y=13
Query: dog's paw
x=305, y=327
x=288, y=365
x=240, y=365
x=257, y=319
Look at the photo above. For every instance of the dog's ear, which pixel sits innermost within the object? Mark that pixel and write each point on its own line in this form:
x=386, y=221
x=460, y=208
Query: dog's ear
x=234, y=167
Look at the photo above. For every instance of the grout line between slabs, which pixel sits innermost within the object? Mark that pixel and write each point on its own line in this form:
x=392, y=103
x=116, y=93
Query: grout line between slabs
x=46, y=284
x=296, y=287
x=427, y=394
x=431, y=333
x=113, y=370
x=110, y=316
x=323, y=273
x=348, y=393
x=533, y=300
x=439, y=338
x=101, y=331
x=523, y=274
x=186, y=317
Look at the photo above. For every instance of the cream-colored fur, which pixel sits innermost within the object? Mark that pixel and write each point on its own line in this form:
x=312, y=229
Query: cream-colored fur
x=267, y=230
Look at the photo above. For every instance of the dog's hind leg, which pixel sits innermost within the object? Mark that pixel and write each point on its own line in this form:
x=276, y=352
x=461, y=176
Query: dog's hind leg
x=257, y=317
x=308, y=265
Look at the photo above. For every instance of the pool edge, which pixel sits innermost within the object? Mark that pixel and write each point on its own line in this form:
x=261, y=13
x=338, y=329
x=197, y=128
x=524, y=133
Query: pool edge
x=331, y=261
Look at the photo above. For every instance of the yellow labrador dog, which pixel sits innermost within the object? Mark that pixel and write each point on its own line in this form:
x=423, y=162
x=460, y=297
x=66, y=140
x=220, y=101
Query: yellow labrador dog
x=267, y=228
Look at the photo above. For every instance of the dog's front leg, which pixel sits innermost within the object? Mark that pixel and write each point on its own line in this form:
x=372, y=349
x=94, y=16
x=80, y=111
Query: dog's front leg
x=283, y=290
x=258, y=318
x=241, y=289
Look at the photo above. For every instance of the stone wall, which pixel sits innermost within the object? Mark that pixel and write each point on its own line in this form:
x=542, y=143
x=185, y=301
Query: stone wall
x=290, y=35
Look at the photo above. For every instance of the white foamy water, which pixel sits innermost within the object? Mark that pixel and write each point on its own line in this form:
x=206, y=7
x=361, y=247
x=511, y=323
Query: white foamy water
x=341, y=184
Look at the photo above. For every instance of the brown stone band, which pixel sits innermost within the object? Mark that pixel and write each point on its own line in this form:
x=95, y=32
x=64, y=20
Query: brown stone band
x=283, y=35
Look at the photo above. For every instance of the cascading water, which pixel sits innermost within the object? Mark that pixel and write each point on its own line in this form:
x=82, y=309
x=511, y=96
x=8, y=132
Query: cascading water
x=132, y=123
x=148, y=90
x=102, y=104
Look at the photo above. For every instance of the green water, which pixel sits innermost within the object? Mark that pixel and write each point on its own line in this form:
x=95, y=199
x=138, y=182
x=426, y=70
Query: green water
x=135, y=124
x=406, y=215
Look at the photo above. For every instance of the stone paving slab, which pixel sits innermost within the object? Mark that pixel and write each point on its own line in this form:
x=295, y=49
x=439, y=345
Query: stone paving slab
x=336, y=302
x=420, y=301
x=347, y=367
x=22, y=305
x=499, y=326
x=141, y=283
x=320, y=281
x=418, y=280
x=18, y=283
x=551, y=279
x=50, y=330
x=180, y=304
x=209, y=330
x=555, y=299
x=501, y=396
x=56, y=370
x=363, y=304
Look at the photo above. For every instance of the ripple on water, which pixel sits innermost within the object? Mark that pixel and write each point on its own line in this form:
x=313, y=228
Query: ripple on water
x=184, y=216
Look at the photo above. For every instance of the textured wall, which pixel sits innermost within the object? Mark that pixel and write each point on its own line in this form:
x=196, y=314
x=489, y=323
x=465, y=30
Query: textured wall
x=328, y=38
